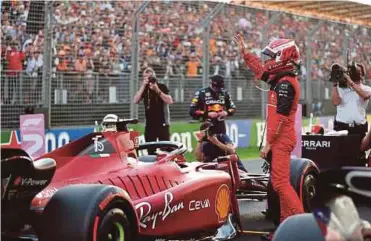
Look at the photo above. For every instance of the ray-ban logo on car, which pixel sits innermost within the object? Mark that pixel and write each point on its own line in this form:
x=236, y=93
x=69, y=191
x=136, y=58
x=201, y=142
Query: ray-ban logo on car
x=98, y=145
x=314, y=145
x=147, y=216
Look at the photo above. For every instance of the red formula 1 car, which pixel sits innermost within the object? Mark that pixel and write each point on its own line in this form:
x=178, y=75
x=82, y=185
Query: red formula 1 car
x=97, y=188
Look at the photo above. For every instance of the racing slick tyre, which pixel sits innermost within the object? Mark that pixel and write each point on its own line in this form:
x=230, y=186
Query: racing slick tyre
x=301, y=227
x=303, y=173
x=89, y=213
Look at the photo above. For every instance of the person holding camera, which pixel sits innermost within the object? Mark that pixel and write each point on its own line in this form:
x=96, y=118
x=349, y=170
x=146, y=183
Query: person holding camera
x=210, y=146
x=351, y=97
x=156, y=102
x=213, y=103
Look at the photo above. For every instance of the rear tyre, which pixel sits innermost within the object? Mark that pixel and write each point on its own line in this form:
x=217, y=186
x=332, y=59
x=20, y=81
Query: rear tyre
x=303, y=175
x=308, y=190
x=89, y=213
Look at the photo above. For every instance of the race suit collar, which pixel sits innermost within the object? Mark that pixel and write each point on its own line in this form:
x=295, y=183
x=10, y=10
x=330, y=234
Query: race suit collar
x=278, y=76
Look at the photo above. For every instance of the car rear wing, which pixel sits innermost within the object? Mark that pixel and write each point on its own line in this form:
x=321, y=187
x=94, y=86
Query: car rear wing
x=21, y=180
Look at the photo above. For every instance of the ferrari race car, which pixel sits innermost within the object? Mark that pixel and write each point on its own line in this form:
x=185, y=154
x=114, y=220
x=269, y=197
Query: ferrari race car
x=342, y=209
x=97, y=188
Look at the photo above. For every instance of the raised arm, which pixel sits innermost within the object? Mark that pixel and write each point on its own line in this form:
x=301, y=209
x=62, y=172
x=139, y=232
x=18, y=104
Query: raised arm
x=251, y=60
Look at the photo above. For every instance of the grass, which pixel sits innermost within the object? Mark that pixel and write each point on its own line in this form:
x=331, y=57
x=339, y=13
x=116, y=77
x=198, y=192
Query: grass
x=248, y=153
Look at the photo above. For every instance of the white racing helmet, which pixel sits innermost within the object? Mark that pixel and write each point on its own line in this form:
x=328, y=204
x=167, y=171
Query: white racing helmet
x=109, y=122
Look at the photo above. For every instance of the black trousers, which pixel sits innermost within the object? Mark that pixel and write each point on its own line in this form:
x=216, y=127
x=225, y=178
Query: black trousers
x=152, y=133
x=360, y=130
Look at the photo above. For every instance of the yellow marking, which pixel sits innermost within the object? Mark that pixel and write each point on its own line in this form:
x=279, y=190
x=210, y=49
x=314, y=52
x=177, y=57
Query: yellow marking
x=254, y=232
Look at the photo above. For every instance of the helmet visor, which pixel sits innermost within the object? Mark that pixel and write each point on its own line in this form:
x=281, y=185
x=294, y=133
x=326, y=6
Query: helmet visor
x=267, y=54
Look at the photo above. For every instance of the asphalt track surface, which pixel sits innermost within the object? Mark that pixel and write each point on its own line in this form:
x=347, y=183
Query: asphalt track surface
x=252, y=218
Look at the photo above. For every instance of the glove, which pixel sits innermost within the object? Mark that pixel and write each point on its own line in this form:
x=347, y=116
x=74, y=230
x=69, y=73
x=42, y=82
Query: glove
x=222, y=113
x=212, y=115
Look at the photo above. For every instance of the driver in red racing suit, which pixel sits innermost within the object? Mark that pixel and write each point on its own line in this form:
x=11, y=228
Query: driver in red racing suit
x=279, y=71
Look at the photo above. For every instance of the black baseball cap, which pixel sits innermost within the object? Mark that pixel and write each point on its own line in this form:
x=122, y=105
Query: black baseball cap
x=217, y=81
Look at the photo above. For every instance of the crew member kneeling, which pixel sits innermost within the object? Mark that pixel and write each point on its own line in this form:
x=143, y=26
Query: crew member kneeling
x=279, y=71
x=212, y=145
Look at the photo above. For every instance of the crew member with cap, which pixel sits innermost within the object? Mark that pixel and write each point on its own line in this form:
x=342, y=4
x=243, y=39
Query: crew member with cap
x=213, y=103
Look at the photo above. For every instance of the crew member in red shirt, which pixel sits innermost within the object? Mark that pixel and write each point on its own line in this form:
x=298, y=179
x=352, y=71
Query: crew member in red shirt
x=15, y=60
x=279, y=71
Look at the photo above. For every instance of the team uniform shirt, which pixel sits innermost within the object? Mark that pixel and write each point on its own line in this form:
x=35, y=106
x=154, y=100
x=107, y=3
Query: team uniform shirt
x=352, y=109
x=206, y=100
x=211, y=151
x=156, y=110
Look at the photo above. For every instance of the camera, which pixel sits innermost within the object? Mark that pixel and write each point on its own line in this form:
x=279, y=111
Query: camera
x=337, y=75
x=207, y=128
x=338, y=71
x=152, y=80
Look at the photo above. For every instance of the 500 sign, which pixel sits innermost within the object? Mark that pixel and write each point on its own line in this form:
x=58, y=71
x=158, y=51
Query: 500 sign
x=53, y=142
x=32, y=130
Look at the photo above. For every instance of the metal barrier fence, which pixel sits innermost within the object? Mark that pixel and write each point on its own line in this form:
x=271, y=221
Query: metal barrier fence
x=85, y=59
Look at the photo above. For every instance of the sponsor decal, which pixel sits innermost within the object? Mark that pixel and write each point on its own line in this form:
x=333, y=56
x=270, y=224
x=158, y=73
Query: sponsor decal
x=100, y=155
x=16, y=194
x=146, y=216
x=98, y=145
x=47, y=193
x=313, y=145
x=213, y=102
x=31, y=182
x=195, y=205
x=222, y=202
x=109, y=199
x=17, y=181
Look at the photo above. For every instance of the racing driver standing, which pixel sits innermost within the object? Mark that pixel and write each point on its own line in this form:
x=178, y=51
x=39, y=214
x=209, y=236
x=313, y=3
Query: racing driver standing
x=213, y=103
x=279, y=71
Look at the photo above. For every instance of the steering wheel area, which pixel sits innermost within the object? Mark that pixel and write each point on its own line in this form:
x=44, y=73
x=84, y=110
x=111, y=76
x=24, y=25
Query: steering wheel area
x=166, y=148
